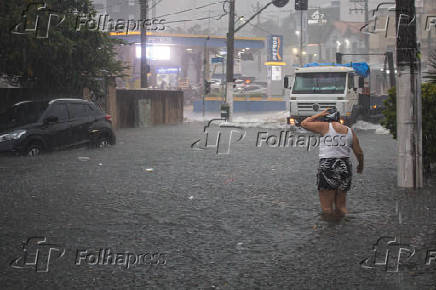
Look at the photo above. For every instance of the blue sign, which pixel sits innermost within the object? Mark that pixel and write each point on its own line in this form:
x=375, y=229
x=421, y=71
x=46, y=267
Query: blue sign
x=275, y=48
x=168, y=70
x=217, y=59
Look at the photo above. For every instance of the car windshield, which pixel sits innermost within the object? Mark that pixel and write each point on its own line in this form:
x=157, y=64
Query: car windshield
x=319, y=83
x=24, y=113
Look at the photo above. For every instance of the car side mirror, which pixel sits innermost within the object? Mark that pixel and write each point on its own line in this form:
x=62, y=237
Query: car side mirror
x=51, y=119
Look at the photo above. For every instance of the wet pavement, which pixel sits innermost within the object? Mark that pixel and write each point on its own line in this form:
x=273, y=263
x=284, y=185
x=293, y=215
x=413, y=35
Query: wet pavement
x=249, y=219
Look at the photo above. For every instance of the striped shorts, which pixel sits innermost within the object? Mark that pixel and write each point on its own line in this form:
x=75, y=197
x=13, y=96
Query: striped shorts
x=334, y=173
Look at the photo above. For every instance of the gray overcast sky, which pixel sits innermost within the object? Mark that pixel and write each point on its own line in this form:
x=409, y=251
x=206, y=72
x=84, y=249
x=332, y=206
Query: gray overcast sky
x=243, y=8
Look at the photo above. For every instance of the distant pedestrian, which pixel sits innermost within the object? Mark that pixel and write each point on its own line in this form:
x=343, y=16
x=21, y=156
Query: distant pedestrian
x=335, y=168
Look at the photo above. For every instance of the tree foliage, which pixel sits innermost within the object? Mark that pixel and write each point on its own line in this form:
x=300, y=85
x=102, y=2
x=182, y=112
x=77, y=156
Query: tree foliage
x=431, y=74
x=428, y=91
x=66, y=60
x=390, y=112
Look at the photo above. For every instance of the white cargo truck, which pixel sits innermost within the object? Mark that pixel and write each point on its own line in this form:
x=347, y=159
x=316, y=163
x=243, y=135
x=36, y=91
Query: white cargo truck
x=315, y=88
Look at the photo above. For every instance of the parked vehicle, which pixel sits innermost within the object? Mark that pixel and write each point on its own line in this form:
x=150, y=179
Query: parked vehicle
x=31, y=127
x=316, y=88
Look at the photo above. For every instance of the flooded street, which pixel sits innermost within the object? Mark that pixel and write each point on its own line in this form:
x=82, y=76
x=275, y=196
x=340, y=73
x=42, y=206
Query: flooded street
x=157, y=144
x=248, y=219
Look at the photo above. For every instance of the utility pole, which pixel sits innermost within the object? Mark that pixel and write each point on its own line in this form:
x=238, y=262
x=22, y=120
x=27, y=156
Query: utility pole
x=206, y=84
x=230, y=58
x=301, y=5
x=366, y=36
x=259, y=56
x=143, y=10
x=231, y=48
x=301, y=38
x=409, y=123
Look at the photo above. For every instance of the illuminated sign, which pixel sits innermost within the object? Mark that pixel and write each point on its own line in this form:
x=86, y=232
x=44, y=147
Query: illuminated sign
x=275, y=48
x=155, y=52
x=317, y=18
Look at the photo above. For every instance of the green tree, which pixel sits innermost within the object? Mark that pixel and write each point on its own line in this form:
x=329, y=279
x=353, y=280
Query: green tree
x=67, y=59
x=428, y=91
x=431, y=74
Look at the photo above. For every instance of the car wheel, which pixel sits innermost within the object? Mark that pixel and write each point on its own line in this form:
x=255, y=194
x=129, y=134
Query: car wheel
x=34, y=149
x=103, y=141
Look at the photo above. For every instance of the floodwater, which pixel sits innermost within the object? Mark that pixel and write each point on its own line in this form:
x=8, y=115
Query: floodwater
x=249, y=219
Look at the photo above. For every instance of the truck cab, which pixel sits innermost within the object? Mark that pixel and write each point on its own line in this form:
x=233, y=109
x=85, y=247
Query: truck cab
x=313, y=89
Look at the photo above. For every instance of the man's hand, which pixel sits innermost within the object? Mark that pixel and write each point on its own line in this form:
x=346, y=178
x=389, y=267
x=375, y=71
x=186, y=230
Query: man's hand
x=322, y=114
x=359, y=169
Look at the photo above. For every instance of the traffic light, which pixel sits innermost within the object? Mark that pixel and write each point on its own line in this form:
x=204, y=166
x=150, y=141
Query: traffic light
x=206, y=87
x=301, y=4
x=280, y=3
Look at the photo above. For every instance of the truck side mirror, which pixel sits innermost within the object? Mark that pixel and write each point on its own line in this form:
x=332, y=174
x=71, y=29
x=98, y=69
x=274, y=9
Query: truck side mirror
x=286, y=82
x=356, y=82
x=361, y=82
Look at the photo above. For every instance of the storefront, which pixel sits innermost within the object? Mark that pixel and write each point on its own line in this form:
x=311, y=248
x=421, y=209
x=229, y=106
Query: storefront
x=176, y=60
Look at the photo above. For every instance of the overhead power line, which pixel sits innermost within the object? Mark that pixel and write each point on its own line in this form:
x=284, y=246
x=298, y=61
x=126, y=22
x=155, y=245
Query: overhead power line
x=191, y=9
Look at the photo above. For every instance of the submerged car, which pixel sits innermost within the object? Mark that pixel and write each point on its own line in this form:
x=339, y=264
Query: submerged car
x=31, y=127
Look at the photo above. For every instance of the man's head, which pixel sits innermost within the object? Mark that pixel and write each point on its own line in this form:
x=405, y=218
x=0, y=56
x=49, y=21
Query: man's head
x=333, y=115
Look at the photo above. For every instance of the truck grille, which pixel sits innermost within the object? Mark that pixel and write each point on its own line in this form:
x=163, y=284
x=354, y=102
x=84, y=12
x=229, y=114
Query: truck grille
x=309, y=106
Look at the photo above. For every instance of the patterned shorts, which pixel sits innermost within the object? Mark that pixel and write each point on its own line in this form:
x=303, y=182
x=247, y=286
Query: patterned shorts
x=334, y=173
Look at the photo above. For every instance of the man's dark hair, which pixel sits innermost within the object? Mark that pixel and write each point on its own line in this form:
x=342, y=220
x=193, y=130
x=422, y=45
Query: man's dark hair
x=333, y=116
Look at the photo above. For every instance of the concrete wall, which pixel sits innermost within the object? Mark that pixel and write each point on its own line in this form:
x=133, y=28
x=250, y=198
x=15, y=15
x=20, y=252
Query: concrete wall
x=241, y=106
x=144, y=107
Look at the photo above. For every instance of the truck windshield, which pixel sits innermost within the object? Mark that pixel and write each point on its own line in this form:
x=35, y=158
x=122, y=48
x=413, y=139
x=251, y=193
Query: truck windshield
x=319, y=83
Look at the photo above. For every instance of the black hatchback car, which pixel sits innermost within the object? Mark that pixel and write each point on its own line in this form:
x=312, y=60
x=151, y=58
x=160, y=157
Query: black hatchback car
x=31, y=127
